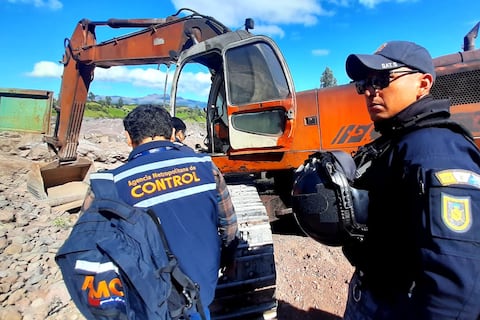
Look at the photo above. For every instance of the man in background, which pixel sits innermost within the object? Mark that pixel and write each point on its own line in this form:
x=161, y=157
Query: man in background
x=180, y=129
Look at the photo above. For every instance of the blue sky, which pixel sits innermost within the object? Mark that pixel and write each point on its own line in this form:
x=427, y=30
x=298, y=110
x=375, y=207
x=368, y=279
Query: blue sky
x=312, y=34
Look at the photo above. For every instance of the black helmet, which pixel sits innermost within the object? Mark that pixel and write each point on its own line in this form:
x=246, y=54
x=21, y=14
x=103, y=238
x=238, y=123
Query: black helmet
x=324, y=204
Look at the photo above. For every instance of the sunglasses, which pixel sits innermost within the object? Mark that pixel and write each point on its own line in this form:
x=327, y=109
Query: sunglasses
x=380, y=80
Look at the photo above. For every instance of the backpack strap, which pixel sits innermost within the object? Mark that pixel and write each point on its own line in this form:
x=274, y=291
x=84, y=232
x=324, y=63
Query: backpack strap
x=189, y=289
x=103, y=186
x=106, y=194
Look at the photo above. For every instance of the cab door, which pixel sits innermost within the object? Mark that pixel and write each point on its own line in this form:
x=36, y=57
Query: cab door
x=259, y=96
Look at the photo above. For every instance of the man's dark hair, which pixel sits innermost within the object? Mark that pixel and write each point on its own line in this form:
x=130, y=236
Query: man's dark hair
x=148, y=121
x=178, y=124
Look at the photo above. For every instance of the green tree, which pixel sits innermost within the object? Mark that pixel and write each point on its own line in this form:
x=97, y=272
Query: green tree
x=91, y=96
x=108, y=100
x=327, y=79
x=120, y=103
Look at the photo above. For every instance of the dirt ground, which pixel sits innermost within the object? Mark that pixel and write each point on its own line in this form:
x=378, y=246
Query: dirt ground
x=312, y=279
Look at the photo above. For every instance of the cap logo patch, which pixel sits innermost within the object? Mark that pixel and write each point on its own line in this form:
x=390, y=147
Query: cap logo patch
x=456, y=213
x=390, y=65
x=380, y=48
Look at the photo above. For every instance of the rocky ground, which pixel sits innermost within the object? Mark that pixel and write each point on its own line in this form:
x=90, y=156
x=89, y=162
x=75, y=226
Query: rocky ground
x=312, y=279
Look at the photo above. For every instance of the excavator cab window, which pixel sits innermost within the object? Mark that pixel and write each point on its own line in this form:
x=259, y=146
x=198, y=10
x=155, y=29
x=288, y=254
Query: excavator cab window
x=269, y=122
x=254, y=74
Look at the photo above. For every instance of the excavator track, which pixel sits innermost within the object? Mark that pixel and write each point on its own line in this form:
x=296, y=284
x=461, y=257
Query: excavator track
x=248, y=292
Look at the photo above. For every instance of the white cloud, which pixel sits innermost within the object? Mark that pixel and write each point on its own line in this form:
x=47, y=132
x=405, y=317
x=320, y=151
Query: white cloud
x=153, y=78
x=198, y=82
x=373, y=3
x=271, y=30
x=267, y=16
x=320, y=52
x=304, y=12
x=50, y=4
x=46, y=69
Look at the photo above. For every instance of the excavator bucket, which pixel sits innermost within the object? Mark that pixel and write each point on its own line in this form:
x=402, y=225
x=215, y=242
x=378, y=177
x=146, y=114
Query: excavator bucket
x=62, y=186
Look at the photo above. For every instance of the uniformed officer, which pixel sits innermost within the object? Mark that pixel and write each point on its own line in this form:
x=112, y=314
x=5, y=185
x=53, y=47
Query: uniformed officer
x=421, y=256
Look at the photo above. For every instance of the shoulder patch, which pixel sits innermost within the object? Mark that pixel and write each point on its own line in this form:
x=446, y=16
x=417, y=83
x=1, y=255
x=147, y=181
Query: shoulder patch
x=458, y=176
x=456, y=213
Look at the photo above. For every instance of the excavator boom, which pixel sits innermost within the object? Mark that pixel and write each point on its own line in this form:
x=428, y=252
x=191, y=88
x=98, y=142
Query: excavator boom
x=159, y=42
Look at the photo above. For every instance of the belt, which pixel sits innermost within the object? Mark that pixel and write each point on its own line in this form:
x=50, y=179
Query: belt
x=382, y=290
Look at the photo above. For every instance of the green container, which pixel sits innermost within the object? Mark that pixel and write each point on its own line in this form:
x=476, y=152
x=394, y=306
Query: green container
x=25, y=110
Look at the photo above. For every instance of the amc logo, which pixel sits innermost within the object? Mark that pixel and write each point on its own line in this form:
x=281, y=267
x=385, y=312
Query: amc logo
x=104, y=289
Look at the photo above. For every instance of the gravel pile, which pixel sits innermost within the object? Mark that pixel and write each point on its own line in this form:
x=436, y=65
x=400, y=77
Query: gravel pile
x=31, y=231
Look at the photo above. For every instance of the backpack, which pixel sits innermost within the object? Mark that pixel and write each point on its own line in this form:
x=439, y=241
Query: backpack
x=116, y=263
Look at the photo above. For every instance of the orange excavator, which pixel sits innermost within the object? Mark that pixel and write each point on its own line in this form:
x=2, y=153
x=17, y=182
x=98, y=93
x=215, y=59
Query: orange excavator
x=256, y=123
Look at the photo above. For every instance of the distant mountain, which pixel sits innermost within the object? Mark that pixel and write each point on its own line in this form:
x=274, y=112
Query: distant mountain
x=155, y=99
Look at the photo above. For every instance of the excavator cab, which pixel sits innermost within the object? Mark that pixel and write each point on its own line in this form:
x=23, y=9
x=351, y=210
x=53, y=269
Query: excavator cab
x=250, y=106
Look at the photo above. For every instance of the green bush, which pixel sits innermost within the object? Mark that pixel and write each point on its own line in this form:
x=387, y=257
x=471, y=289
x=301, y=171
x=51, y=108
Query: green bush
x=98, y=111
x=190, y=114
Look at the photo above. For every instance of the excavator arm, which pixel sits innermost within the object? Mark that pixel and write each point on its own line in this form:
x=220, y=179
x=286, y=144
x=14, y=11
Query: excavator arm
x=159, y=41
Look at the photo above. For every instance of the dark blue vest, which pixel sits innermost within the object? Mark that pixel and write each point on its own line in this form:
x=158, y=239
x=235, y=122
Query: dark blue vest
x=180, y=187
